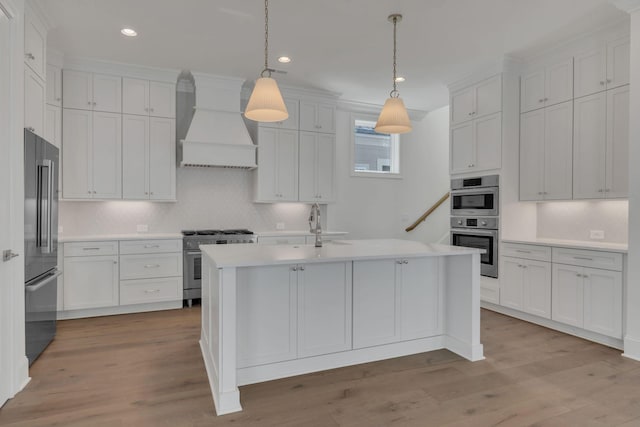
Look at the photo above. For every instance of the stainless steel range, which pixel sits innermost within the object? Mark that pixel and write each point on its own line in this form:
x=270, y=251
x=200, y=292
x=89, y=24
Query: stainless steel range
x=192, y=285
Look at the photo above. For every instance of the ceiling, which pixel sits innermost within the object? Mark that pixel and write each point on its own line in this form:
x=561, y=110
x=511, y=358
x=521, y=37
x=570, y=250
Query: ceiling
x=343, y=46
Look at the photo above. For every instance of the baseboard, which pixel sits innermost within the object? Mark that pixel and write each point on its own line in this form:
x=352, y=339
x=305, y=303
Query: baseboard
x=22, y=375
x=119, y=309
x=631, y=348
x=224, y=403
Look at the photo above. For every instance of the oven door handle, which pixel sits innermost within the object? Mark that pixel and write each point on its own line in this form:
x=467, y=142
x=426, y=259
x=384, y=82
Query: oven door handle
x=193, y=253
x=466, y=231
x=470, y=191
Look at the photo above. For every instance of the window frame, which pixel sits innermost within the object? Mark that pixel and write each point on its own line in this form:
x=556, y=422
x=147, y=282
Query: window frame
x=396, y=140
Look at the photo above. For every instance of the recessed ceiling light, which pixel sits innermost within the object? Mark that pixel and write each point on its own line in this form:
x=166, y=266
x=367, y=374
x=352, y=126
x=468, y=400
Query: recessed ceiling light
x=400, y=79
x=129, y=32
x=284, y=59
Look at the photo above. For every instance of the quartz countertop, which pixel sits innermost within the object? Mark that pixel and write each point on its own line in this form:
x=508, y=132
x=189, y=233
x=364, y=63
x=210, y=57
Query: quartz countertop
x=340, y=250
x=573, y=244
x=105, y=237
x=278, y=233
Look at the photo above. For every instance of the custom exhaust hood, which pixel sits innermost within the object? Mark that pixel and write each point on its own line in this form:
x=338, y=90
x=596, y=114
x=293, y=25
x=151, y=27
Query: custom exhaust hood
x=217, y=135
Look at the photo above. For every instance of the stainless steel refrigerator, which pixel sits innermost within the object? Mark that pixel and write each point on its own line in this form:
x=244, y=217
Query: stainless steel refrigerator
x=40, y=242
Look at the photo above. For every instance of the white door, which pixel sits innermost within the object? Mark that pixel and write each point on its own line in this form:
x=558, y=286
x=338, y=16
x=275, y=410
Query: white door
x=162, y=100
x=162, y=159
x=135, y=96
x=53, y=125
x=326, y=118
x=618, y=57
x=462, y=105
x=54, y=85
x=558, y=151
x=106, y=155
x=77, y=89
x=287, y=170
x=76, y=155
x=420, y=297
x=488, y=142
x=617, y=157
x=488, y=97
x=308, y=116
x=35, y=44
x=308, y=167
x=532, y=91
x=589, y=143
x=267, y=189
x=558, y=83
x=462, y=155
x=567, y=294
x=590, y=74
x=536, y=298
x=107, y=93
x=90, y=282
x=511, y=282
x=34, y=101
x=603, y=302
x=135, y=152
x=532, y=155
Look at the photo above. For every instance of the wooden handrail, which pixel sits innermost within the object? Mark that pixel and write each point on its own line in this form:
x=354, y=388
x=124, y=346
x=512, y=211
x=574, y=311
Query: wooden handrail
x=427, y=213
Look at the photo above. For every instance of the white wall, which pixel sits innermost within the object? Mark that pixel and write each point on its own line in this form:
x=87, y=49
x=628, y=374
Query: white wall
x=379, y=207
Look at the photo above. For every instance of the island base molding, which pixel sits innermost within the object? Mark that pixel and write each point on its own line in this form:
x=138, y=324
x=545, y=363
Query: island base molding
x=119, y=309
x=567, y=329
x=631, y=348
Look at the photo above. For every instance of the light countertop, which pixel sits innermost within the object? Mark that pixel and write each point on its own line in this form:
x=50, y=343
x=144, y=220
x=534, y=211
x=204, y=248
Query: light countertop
x=574, y=244
x=341, y=250
x=278, y=233
x=107, y=237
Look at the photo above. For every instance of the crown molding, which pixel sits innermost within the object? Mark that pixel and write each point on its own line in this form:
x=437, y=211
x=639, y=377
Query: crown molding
x=117, y=68
x=629, y=6
x=40, y=8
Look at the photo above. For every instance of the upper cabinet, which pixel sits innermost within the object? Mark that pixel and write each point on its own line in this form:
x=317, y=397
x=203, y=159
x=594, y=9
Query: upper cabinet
x=35, y=44
x=317, y=167
x=476, y=145
x=148, y=98
x=92, y=91
x=293, y=108
x=276, y=179
x=476, y=101
x=34, y=97
x=605, y=67
x=317, y=117
x=54, y=85
x=547, y=86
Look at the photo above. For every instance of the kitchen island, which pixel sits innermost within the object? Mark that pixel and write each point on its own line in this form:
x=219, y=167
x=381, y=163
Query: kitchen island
x=276, y=311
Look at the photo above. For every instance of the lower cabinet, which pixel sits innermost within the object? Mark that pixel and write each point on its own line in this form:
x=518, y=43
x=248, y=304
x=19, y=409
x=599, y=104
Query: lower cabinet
x=90, y=281
x=527, y=286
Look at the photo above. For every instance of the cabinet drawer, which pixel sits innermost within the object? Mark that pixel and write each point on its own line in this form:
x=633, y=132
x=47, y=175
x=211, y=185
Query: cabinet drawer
x=150, y=246
x=588, y=258
x=282, y=240
x=150, y=290
x=90, y=248
x=150, y=266
x=535, y=252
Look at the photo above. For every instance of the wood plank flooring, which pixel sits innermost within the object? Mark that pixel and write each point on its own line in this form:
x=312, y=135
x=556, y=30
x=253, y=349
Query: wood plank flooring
x=146, y=370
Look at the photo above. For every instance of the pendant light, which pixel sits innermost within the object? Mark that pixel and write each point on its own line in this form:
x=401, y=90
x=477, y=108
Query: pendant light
x=393, y=117
x=266, y=103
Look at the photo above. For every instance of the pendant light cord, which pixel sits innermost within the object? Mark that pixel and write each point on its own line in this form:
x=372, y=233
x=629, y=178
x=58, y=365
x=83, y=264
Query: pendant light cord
x=266, y=40
x=394, y=93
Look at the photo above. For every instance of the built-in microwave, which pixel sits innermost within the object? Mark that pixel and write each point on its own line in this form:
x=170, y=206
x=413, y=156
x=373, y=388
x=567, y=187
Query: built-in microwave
x=475, y=196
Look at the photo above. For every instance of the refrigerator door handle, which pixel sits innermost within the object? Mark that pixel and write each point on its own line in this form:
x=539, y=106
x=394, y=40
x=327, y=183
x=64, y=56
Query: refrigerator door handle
x=44, y=219
x=50, y=168
x=34, y=288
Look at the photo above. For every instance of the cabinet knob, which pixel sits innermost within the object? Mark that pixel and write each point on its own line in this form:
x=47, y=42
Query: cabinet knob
x=115, y=262
x=318, y=127
x=483, y=223
x=459, y=222
x=399, y=262
x=608, y=80
x=94, y=104
x=405, y=261
x=600, y=190
x=606, y=190
x=94, y=192
x=30, y=56
x=88, y=102
x=301, y=268
x=602, y=83
x=294, y=268
x=469, y=114
x=546, y=99
x=31, y=128
x=541, y=100
x=151, y=193
x=152, y=110
x=89, y=192
x=58, y=99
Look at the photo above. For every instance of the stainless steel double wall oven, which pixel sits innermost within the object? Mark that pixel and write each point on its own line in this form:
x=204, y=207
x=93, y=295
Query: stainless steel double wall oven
x=475, y=218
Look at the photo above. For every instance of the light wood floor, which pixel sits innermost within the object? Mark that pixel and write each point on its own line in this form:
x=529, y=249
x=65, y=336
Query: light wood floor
x=146, y=370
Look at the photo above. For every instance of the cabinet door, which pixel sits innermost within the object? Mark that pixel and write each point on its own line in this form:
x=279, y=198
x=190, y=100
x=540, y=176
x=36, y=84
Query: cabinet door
x=511, y=283
x=462, y=105
x=558, y=151
x=308, y=116
x=162, y=100
x=617, y=151
x=326, y=160
x=76, y=156
x=589, y=143
x=135, y=152
x=107, y=93
x=536, y=296
x=567, y=294
x=77, y=89
x=532, y=91
x=488, y=97
x=106, y=155
x=324, y=308
x=54, y=85
x=287, y=165
x=162, y=159
x=53, y=125
x=265, y=176
x=34, y=101
x=590, y=73
x=308, y=167
x=420, y=298
x=618, y=63
x=532, y=155
x=558, y=83
x=35, y=44
x=603, y=302
x=135, y=96
x=488, y=142
x=90, y=282
x=267, y=314
x=462, y=148
x=326, y=118
x=376, y=303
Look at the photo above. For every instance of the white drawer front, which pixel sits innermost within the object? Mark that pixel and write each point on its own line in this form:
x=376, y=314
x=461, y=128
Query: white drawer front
x=150, y=246
x=588, y=258
x=534, y=252
x=150, y=266
x=282, y=240
x=90, y=248
x=150, y=290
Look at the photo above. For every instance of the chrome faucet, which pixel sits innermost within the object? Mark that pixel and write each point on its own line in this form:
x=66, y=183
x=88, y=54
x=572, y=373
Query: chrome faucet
x=314, y=224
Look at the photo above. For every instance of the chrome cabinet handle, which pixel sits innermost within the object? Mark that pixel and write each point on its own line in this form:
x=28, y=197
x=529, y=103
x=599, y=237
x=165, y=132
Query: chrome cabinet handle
x=301, y=268
x=151, y=291
x=151, y=246
x=523, y=251
x=583, y=258
x=399, y=262
x=405, y=261
x=602, y=83
x=90, y=249
x=30, y=56
x=294, y=268
x=152, y=265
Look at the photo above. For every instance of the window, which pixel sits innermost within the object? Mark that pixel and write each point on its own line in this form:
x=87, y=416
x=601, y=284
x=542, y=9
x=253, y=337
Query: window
x=373, y=154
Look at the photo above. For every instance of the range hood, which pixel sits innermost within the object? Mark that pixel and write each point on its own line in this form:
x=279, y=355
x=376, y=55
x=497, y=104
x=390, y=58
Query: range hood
x=217, y=136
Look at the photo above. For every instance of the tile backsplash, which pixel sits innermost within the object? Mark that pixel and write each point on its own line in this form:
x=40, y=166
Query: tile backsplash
x=207, y=198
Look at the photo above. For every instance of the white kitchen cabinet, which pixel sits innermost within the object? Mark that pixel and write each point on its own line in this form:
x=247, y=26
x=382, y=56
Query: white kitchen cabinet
x=324, y=308
x=568, y=295
x=511, y=283
x=316, y=167
x=389, y=298
x=292, y=122
x=148, y=160
x=546, y=87
x=526, y=286
x=546, y=155
x=90, y=282
x=605, y=67
x=54, y=85
x=601, y=144
x=477, y=145
x=92, y=91
x=35, y=44
x=603, y=302
x=148, y=98
x=479, y=100
x=53, y=125
x=34, y=102
x=317, y=117
x=92, y=155
x=276, y=179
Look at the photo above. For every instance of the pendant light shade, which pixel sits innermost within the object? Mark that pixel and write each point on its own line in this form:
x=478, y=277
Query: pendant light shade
x=266, y=103
x=394, y=117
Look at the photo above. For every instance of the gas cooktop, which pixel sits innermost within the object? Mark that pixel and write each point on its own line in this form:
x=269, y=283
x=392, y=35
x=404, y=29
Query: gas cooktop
x=236, y=231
